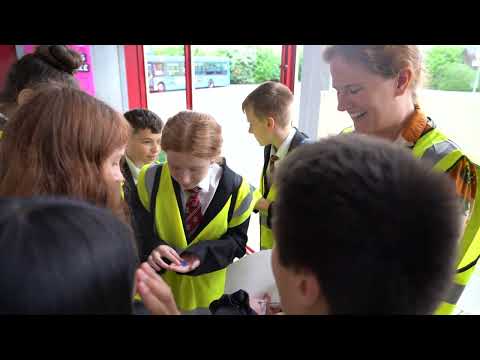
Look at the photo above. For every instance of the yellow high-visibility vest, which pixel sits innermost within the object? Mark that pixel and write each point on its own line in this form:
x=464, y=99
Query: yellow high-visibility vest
x=191, y=292
x=436, y=148
x=266, y=234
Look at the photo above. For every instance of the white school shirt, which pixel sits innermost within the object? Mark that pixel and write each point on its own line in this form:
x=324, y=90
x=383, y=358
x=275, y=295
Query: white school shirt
x=208, y=187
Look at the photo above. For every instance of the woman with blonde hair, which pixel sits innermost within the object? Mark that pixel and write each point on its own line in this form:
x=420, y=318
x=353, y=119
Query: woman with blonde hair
x=200, y=209
x=377, y=85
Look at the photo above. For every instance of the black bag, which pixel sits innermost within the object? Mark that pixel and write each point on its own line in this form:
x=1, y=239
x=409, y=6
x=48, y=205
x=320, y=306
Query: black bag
x=234, y=304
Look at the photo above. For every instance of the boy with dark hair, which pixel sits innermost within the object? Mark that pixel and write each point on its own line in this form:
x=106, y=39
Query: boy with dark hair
x=144, y=144
x=81, y=258
x=143, y=148
x=373, y=231
x=269, y=111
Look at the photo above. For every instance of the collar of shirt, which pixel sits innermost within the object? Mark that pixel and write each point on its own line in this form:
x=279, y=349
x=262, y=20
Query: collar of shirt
x=133, y=169
x=208, y=187
x=283, y=149
x=204, y=185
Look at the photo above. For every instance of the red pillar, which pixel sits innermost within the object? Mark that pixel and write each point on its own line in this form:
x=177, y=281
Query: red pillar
x=188, y=75
x=135, y=68
x=287, y=72
x=8, y=56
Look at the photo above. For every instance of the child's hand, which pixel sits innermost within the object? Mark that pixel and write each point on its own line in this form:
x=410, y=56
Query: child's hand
x=155, y=293
x=262, y=204
x=155, y=259
x=259, y=303
x=263, y=305
x=188, y=263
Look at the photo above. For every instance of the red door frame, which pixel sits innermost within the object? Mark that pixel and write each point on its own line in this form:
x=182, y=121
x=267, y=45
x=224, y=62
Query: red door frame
x=136, y=81
x=135, y=70
x=188, y=75
x=287, y=67
x=8, y=55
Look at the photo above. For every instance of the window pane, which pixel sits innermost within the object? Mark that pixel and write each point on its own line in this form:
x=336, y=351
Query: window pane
x=165, y=64
x=231, y=73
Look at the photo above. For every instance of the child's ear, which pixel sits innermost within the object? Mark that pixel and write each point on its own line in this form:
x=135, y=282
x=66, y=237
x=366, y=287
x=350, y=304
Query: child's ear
x=270, y=122
x=311, y=294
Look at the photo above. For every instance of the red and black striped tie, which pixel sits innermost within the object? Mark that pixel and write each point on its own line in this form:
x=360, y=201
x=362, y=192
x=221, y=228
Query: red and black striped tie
x=193, y=211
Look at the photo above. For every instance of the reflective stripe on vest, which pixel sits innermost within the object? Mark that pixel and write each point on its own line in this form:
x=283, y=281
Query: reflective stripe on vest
x=436, y=152
x=448, y=306
x=438, y=149
x=426, y=141
x=443, y=153
x=436, y=146
x=471, y=233
x=244, y=208
x=146, y=177
x=191, y=292
x=454, y=293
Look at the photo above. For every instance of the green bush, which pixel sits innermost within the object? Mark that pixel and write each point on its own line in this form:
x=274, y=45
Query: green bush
x=267, y=66
x=300, y=64
x=242, y=64
x=436, y=59
x=177, y=50
x=252, y=65
x=455, y=77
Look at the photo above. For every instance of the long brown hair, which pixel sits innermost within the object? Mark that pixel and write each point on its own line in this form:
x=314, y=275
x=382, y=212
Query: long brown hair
x=57, y=143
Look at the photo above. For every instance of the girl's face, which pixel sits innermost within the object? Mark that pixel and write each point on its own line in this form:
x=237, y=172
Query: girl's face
x=187, y=169
x=111, y=166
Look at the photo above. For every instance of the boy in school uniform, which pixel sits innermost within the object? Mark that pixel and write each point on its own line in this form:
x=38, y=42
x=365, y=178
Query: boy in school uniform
x=268, y=109
x=143, y=148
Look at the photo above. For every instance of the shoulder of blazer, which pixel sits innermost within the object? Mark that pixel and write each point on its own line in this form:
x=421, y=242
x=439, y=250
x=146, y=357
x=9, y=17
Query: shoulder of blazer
x=231, y=179
x=298, y=139
x=127, y=174
x=129, y=182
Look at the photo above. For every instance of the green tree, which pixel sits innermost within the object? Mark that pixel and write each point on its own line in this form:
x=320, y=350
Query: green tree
x=455, y=77
x=267, y=65
x=176, y=50
x=300, y=63
x=252, y=64
x=200, y=52
x=436, y=60
x=242, y=64
x=242, y=69
x=224, y=53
